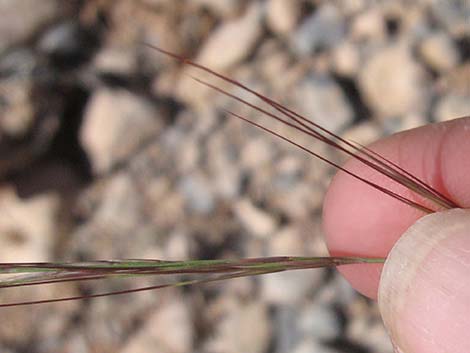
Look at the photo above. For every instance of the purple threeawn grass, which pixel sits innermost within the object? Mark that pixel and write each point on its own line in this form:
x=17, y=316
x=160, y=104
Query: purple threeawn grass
x=429, y=200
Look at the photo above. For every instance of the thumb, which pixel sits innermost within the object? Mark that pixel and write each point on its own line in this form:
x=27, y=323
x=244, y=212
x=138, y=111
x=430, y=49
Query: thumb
x=424, y=293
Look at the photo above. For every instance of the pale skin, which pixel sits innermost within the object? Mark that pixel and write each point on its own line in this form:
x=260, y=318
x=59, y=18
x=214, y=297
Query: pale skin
x=359, y=220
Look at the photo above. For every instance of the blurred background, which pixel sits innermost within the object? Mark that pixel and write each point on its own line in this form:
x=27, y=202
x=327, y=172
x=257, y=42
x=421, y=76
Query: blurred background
x=110, y=150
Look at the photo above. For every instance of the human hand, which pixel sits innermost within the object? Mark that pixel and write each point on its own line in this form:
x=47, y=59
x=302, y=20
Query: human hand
x=424, y=293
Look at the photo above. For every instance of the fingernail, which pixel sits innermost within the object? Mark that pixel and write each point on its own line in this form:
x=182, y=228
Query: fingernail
x=424, y=292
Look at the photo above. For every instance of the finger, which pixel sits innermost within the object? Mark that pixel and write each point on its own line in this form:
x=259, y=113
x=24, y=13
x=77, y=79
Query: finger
x=424, y=293
x=359, y=220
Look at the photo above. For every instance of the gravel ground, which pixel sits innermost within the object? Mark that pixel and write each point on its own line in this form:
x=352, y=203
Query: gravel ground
x=110, y=150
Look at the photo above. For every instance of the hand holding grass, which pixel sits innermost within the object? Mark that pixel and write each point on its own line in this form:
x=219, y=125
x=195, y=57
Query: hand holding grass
x=424, y=291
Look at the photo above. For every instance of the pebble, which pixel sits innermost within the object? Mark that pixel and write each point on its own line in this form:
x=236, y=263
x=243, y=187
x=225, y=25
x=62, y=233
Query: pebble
x=296, y=201
x=393, y=83
x=228, y=182
x=321, y=99
x=119, y=204
x=320, y=322
x=346, y=59
x=370, y=333
x=283, y=16
x=452, y=106
x=63, y=39
x=369, y=25
x=116, y=123
x=27, y=227
x=453, y=15
x=256, y=153
x=456, y=81
x=286, y=333
x=115, y=60
x=439, y=52
x=197, y=193
x=16, y=110
x=222, y=8
x=16, y=84
x=337, y=292
x=169, y=328
x=18, y=62
x=256, y=221
x=221, y=51
x=22, y=18
x=324, y=29
x=364, y=133
x=244, y=328
x=310, y=346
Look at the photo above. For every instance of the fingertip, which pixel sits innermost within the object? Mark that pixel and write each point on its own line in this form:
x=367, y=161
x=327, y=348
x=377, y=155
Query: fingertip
x=361, y=221
x=424, y=288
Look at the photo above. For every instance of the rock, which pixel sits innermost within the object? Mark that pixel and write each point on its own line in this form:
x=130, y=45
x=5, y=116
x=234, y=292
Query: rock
x=288, y=172
x=324, y=29
x=346, y=59
x=62, y=39
x=22, y=18
x=439, y=52
x=298, y=201
x=257, y=222
x=236, y=333
x=393, y=83
x=27, y=227
x=19, y=61
x=369, y=25
x=453, y=15
x=16, y=108
x=116, y=123
x=286, y=333
x=197, y=193
x=337, y=292
x=256, y=153
x=310, y=346
x=320, y=322
x=169, y=328
x=364, y=133
x=68, y=44
x=119, y=206
x=456, y=81
x=370, y=332
x=119, y=223
x=222, y=8
x=228, y=182
x=320, y=99
x=413, y=120
x=282, y=16
x=114, y=60
x=452, y=106
x=221, y=50
x=273, y=66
